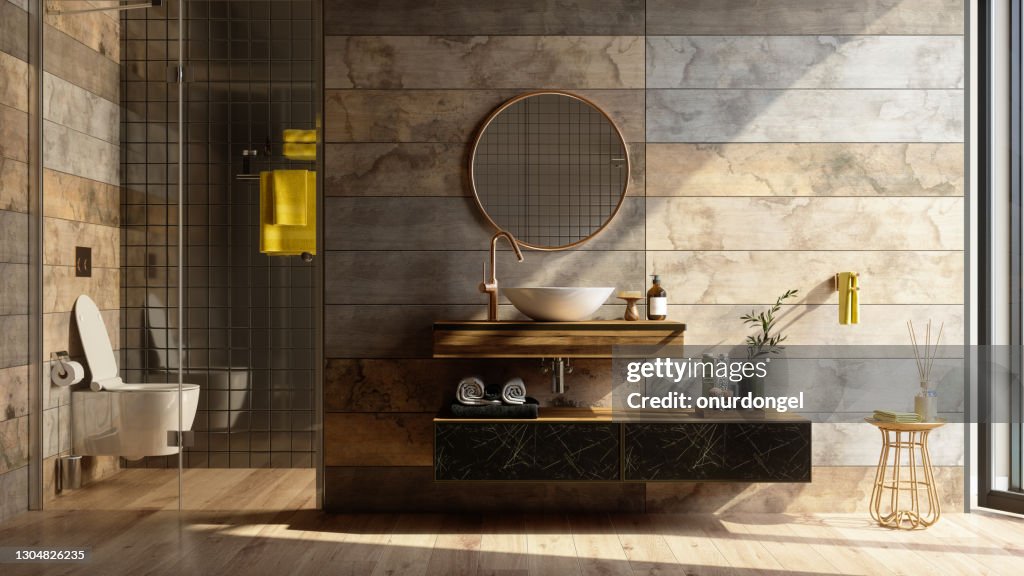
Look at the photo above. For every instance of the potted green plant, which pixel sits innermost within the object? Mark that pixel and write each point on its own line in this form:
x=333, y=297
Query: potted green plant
x=767, y=340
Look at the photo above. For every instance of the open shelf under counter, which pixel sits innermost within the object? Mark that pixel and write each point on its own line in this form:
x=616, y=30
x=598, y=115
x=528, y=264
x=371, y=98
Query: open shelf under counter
x=523, y=339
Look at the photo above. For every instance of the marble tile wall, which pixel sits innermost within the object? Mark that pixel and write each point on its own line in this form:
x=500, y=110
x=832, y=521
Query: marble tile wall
x=14, y=259
x=438, y=116
x=385, y=169
x=74, y=61
x=491, y=17
x=447, y=224
x=805, y=62
x=81, y=199
x=776, y=144
x=14, y=129
x=752, y=115
x=99, y=31
x=810, y=17
x=808, y=169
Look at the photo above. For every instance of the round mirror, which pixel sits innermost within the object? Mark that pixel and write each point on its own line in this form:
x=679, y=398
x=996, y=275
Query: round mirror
x=550, y=168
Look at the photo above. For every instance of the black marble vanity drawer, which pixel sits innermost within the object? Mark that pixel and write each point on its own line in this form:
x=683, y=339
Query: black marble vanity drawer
x=753, y=452
x=527, y=451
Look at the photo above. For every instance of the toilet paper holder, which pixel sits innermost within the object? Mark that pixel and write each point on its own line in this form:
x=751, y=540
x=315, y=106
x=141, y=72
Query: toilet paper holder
x=61, y=357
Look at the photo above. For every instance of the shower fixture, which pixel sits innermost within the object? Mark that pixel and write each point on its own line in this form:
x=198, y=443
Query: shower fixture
x=120, y=7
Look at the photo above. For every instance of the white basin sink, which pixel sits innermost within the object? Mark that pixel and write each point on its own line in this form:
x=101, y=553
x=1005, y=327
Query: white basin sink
x=557, y=304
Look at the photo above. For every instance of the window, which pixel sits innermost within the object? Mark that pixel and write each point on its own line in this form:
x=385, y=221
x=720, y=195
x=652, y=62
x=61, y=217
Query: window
x=1000, y=230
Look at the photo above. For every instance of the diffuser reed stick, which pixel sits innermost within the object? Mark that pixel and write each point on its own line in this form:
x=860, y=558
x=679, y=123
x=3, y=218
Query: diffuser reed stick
x=937, y=338
x=927, y=360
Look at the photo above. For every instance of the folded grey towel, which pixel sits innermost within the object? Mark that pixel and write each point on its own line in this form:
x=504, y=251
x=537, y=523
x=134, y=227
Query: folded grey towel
x=471, y=392
x=528, y=410
x=514, y=392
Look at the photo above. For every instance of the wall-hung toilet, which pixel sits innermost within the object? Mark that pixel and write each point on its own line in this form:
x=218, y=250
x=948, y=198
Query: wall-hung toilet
x=119, y=419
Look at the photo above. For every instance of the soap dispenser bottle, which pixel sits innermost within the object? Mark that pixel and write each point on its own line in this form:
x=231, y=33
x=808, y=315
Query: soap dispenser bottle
x=657, y=301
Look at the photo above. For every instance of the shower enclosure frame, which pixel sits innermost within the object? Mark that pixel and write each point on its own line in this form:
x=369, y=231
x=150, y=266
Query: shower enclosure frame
x=38, y=374
x=319, y=268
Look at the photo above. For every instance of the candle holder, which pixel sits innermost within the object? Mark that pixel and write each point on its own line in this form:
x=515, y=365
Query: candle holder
x=632, y=314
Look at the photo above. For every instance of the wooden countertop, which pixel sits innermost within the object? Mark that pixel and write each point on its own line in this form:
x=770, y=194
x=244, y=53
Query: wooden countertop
x=641, y=416
x=589, y=325
x=592, y=339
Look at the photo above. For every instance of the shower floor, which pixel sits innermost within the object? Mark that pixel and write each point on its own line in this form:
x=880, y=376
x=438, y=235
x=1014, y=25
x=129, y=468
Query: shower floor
x=258, y=489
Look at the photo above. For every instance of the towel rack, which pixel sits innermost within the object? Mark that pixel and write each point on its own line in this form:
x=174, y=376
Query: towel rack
x=835, y=281
x=121, y=7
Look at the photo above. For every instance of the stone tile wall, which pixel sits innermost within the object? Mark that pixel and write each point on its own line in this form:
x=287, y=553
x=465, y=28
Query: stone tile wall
x=81, y=202
x=774, y=144
x=14, y=259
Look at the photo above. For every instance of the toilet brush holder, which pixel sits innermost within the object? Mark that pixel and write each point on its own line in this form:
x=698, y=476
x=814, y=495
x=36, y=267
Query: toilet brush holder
x=70, y=473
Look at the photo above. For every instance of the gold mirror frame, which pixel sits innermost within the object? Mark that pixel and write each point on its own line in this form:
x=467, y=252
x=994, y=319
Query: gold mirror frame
x=483, y=129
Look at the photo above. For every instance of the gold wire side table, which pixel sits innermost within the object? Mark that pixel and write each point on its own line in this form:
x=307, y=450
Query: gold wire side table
x=911, y=478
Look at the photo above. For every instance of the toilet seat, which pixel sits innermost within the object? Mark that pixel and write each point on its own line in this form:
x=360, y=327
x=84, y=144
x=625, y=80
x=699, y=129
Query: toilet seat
x=162, y=387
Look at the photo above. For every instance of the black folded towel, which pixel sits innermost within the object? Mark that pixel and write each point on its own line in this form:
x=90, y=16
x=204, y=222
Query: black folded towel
x=526, y=411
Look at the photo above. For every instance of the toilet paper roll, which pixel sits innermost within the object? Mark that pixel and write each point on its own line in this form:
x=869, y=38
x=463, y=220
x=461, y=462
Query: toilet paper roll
x=66, y=373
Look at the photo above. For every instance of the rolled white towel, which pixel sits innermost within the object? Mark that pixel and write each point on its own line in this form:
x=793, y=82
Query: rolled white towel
x=471, y=392
x=514, y=392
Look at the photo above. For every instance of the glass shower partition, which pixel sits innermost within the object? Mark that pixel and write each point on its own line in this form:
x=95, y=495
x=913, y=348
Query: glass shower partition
x=244, y=331
x=153, y=199
x=157, y=123
x=249, y=315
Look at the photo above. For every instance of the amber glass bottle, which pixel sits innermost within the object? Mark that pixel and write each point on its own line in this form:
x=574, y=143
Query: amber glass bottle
x=657, y=301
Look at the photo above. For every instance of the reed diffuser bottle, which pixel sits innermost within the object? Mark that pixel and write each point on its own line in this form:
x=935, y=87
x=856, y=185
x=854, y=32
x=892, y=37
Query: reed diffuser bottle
x=926, y=402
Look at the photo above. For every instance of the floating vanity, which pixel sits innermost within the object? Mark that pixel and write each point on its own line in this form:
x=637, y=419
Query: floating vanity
x=577, y=444
x=586, y=444
x=489, y=449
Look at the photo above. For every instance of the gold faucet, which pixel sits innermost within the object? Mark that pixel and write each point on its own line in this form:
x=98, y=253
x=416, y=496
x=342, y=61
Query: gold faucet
x=490, y=285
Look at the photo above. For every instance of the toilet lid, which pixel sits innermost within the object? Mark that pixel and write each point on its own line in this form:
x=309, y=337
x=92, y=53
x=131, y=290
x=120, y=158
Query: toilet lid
x=99, y=354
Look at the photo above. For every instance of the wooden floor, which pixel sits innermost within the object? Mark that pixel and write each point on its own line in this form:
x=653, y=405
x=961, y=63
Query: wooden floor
x=262, y=523
x=236, y=489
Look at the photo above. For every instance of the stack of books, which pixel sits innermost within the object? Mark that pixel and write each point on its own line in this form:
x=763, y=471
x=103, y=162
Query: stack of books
x=897, y=417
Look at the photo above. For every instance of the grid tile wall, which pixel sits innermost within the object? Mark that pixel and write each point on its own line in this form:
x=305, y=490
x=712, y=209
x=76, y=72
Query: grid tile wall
x=248, y=319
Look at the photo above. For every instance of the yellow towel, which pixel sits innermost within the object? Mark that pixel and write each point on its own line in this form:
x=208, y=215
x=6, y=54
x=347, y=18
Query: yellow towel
x=287, y=239
x=302, y=136
x=296, y=151
x=849, y=298
x=288, y=197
